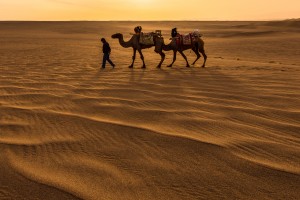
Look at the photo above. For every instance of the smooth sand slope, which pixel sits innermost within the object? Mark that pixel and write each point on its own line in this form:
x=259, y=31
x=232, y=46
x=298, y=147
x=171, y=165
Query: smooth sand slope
x=69, y=130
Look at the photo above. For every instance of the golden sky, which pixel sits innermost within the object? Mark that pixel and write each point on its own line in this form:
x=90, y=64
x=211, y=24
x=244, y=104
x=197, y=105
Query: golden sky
x=149, y=9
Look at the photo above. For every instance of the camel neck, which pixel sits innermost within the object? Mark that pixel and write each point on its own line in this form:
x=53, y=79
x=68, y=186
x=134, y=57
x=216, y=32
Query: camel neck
x=167, y=47
x=123, y=43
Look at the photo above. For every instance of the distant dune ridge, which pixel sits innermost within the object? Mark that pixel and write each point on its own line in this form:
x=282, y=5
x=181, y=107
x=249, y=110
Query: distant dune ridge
x=69, y=130
x=294, y=23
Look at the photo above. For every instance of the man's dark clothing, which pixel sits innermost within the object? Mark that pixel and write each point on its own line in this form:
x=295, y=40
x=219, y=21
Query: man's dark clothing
x=106, y=48
x=106, y=51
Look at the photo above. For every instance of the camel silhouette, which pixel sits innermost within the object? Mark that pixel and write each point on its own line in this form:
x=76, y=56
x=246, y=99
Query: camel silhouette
x=136, y=45
x=197, y=46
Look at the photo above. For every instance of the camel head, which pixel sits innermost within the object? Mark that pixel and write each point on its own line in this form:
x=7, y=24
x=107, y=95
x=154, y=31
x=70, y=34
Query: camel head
x=117, y=35
x=159, y=42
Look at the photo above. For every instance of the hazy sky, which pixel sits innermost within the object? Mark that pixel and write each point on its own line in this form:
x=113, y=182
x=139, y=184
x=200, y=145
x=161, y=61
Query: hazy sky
x=149, y=9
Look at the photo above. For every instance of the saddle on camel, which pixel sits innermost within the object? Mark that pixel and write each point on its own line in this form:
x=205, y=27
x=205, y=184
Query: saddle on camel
x=185, y=39
x=146, y=38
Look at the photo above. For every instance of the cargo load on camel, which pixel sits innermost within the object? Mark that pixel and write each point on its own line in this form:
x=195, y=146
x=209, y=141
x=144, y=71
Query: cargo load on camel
x=146, y=38
x=185, y=39
x=188, y=39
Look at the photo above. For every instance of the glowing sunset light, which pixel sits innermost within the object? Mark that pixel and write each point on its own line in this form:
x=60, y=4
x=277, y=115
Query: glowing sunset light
x=148, y=10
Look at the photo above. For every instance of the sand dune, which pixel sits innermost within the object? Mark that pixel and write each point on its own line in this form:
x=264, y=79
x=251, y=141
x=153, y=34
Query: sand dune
x=292, y=23
x=69, y=130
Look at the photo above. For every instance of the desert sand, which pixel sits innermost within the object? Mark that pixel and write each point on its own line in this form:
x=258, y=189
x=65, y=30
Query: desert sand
x=69, y=130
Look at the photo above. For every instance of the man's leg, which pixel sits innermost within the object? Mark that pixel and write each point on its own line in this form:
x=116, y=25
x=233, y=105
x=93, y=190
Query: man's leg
x=110, y=62
x=104, y=60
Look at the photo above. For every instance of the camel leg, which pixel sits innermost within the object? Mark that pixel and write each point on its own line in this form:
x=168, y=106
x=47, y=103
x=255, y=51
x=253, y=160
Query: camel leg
x=174, y=58
x=197, y=54
x=187, y=63
x=142, y=58
x=133, y=58
x=204, y=55
x=162, y=55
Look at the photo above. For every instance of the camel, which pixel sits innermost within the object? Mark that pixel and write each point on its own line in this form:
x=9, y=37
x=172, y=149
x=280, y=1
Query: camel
x=197, y=46
x=135, y=44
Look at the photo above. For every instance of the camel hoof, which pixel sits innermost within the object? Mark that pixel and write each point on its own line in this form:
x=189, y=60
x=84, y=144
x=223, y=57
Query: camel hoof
x=143, y=67
x=169, y=66
x=188, y=66
x=130, y=66
x=158, y=67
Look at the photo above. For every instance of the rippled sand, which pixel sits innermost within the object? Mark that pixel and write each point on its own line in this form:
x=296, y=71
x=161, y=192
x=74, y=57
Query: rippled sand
x=70, y=130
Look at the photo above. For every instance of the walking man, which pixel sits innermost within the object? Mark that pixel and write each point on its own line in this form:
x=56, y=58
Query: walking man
x=106, y=51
